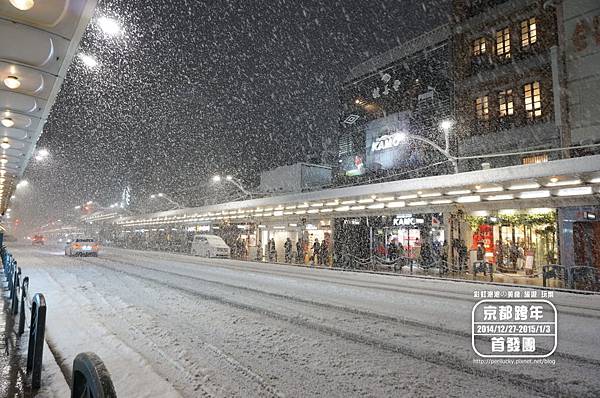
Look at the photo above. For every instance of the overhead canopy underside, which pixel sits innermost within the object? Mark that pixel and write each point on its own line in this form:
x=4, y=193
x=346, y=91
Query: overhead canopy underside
x=37, y=46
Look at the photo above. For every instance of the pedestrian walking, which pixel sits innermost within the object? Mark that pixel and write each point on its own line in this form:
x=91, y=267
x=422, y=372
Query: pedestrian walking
x=259, y=250
x=288, y=250
x=300, y=252
x=392, y=250
x=316, y=250
x=480, y=252
x=513, y=254
x=324, y=253
x=272, y=250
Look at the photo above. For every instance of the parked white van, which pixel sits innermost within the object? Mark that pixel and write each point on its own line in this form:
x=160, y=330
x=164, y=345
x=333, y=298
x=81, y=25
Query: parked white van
x=210, y=246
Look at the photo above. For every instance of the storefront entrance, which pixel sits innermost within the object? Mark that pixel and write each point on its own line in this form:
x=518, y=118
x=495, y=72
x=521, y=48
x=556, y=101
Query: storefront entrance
x=302, y=238
x=517, y=244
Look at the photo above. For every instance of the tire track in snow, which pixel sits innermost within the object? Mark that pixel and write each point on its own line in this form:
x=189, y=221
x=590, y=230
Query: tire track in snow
x=64, y=365
x=379, y=285
x=267, y=389
x=539, y=385
x=155, y=346
x=402, y=321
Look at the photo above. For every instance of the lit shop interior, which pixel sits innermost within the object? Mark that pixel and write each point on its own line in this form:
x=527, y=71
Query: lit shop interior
x=517, y=242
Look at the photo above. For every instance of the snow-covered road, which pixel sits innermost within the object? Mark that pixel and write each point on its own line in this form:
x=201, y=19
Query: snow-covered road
x=170, y=325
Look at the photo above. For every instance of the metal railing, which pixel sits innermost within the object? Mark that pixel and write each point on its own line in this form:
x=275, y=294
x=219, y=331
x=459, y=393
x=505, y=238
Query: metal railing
x=13, y=275
x=37, y=327
x=573, y=277
x=375, y=263
x=37, y=330
x=24, y=303
x=484, y=267
x=90, y=377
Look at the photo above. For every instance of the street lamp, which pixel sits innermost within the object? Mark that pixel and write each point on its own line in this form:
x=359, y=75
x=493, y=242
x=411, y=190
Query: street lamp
x=235, y=182
x=88, y=60
x=109, y=26
x=446, y=125
x=41, y=155
x=168, y=199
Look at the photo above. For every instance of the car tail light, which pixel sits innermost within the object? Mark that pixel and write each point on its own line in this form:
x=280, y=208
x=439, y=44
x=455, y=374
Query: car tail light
x=76, y=246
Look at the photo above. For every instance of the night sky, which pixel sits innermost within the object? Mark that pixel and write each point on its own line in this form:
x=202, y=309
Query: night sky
x=195, y=88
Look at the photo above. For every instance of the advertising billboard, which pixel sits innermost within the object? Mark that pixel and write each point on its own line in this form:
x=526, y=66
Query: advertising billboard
x=386, y=144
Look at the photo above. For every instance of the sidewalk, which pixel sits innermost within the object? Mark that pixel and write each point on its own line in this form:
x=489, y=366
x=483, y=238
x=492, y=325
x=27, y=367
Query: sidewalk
x=14, y=380
x=12, y=377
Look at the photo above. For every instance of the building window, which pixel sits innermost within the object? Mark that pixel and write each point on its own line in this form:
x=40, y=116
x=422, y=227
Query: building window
x=535, y=159
x=533, y=100
x=528, y=32
x=503, y=43
x=481, y=106
x=505, y=102
x=479, y=46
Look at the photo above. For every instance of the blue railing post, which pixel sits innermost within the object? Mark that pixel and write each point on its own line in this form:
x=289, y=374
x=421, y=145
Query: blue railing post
x=9, y=276
x=22, y=317
x=15, y=296
x=36, y=339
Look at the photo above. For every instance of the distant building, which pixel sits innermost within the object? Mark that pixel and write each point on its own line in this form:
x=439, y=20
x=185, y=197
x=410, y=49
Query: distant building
x=404, y=92
x=295, y=178
x=505, y=57
x=580, y=39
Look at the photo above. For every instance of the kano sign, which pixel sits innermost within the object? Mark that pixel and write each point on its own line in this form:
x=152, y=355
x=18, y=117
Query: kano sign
x=387, y=141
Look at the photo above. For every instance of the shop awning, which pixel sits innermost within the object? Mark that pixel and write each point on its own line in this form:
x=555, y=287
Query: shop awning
x=560, y=183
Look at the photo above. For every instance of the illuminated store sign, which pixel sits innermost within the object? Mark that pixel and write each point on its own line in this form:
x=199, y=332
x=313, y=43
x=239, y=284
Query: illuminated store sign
x=387, y=141
x=407, y=219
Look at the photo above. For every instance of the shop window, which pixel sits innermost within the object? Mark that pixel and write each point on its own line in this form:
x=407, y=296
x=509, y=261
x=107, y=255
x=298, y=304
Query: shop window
x=533, y=100
x=528, y=32
x=479, y=47
x=505, y=103
x=503, y=43
x=481, y=106
x=535, y=159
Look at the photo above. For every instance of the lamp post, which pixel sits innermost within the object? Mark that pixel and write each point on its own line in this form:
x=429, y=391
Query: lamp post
x=233, y=181
x=443, y=151
x=168, y=199
x=445, y=126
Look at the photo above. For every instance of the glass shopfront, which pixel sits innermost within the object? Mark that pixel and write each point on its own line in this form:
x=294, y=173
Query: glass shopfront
x=517, y=243
x=407, y=232
x=272, y=243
